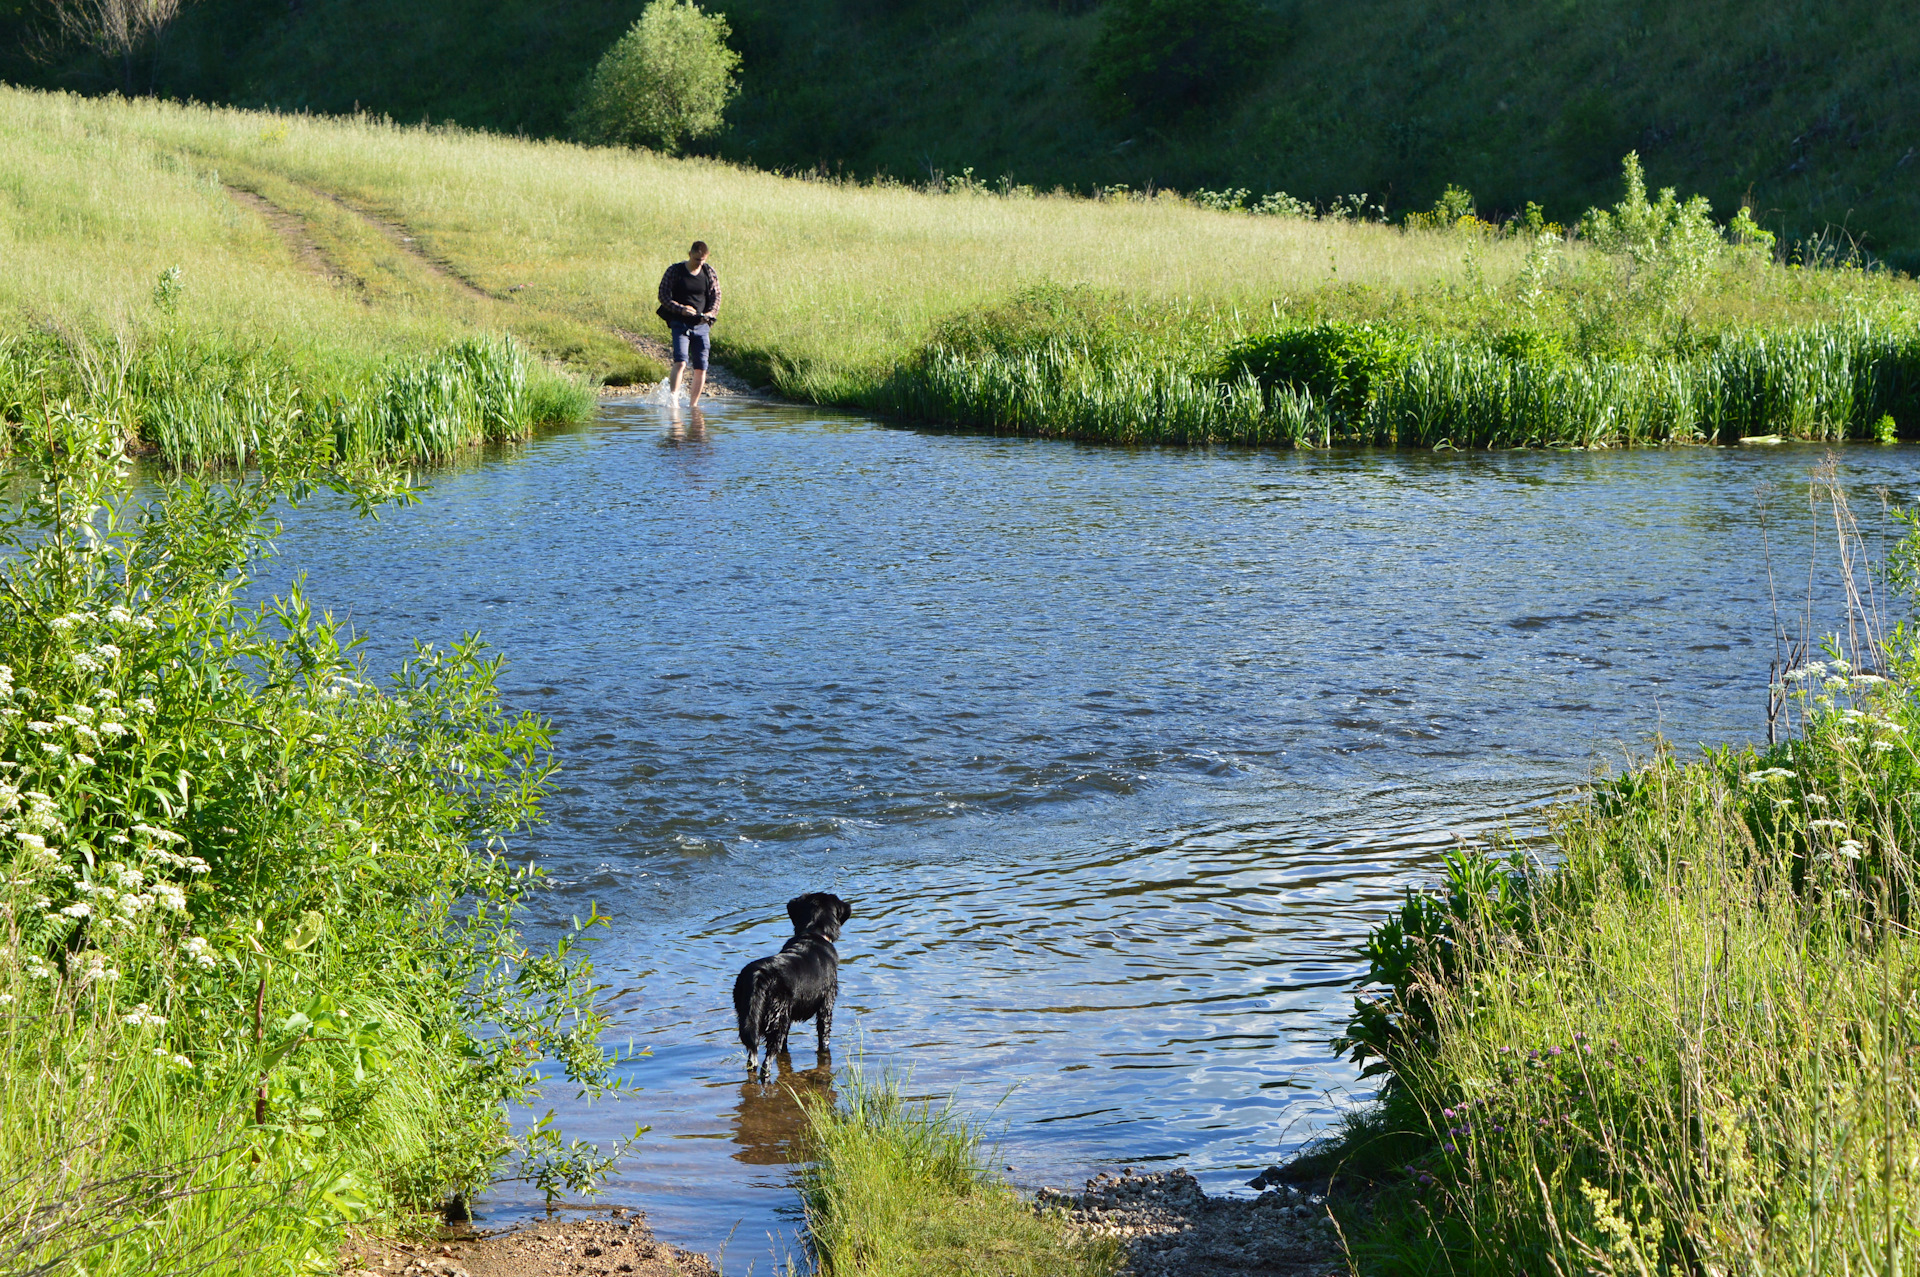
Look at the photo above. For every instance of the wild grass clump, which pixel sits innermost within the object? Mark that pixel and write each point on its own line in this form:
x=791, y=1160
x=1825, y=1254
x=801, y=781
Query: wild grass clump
x=203, y=400
x=897, y=1187
x=1688, y=1045
x=259, y=972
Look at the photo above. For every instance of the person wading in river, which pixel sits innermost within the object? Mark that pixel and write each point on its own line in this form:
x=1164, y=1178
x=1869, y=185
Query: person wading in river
x=690, y=302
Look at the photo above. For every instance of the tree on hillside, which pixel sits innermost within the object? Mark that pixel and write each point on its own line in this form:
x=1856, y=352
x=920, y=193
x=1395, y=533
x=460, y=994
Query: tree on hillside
x=118, y=30
x=664, y=83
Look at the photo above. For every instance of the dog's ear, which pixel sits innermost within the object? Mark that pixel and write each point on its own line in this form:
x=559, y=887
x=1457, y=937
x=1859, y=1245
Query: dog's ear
x=843, y=908
x=795, y=908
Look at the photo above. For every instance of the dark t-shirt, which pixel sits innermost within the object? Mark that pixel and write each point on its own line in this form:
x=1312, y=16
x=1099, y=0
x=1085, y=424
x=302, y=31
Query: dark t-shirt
x=692, y=290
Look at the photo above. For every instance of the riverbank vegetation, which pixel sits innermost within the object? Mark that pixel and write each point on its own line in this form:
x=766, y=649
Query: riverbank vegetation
x=1687, y=1044
x=898, y=1187
x=259, y=973
x=370, y=271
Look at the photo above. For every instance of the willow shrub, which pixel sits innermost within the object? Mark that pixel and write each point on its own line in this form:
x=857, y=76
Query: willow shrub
x=1688, y=1046
x=259, y=975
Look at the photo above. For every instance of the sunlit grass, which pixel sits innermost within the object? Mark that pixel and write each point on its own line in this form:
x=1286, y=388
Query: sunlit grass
x=896, y=1188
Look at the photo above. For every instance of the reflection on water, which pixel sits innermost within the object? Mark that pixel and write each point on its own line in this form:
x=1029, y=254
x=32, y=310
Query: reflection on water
x=1117, y=752
x=769, y=1120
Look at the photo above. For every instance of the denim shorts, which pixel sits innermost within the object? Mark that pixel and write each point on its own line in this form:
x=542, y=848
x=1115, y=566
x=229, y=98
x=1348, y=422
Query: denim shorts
x=690, y=343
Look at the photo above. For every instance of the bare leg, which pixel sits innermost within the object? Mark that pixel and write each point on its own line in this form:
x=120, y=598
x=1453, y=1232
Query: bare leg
x=673, y=382
x=696, y=382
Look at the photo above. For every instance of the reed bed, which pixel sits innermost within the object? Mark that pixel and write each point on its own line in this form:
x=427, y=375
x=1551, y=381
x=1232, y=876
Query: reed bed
x=1834, y=382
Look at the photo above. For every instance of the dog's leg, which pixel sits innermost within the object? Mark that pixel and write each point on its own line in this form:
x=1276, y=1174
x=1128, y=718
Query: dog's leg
x=777, y=1040
x=824, y=1023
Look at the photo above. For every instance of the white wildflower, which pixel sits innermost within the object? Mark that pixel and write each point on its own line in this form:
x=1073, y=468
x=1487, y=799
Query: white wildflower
x=41, y=729
x=85, y=663
x=1826, y=824
x=6, y=999
x=1867, y=680
x=132, y=905
x=201, y=952
x=128, y=877
x=85, y=760
x=1766, y=774
x=119, y=615
x=143, y=1017
x=96, y=968
x=52, y=748
x=158, y=835
x=1817, y=798
x=143, y=705
x=183, y=1061
x=171, y=896
x=107, y=652
x=1883, y=746
x=111, y=728
x=1850, y=849
x=78, y=909
x=32, y=842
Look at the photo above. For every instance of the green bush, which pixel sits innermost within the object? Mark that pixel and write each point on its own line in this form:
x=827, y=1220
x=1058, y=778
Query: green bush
x=259, y=972
x=666, y=82
x=1339, y=364
x=1164, y=58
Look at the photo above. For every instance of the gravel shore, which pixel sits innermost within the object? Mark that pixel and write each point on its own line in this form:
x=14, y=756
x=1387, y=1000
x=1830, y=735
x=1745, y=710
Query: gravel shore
x=1171, y=1228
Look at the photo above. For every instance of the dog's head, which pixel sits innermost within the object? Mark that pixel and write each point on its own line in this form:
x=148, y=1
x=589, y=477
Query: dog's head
x=818, y=913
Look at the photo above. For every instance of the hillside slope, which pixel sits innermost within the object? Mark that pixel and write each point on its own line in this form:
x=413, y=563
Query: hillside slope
x=1809, y=111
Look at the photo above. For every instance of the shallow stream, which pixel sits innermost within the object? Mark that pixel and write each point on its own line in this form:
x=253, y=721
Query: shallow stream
x=1116, y=751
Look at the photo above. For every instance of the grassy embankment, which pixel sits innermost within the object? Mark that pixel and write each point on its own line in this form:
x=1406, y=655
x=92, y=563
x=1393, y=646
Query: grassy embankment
x=1804, y=108
x=140, y=285
x=1688, y=1044
x=259, y=978
x=898, y=1188
x=1126, y=320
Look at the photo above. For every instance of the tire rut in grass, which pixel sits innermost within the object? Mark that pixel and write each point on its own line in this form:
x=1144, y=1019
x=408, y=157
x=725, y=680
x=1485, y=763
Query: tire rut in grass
x=296, y=234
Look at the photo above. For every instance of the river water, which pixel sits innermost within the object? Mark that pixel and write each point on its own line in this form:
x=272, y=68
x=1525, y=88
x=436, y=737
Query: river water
x=1117, y=752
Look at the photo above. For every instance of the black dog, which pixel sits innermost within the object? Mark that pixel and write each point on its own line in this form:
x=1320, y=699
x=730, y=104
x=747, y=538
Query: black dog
x=797, y=983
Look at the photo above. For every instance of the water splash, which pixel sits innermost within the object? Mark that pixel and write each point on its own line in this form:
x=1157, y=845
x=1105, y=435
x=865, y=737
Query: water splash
x=663, y=393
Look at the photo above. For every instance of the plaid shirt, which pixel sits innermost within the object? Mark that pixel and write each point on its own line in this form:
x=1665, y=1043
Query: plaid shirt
x=713, y=285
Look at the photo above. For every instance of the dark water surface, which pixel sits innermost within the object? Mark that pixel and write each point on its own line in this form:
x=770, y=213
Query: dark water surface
x=1117, y=752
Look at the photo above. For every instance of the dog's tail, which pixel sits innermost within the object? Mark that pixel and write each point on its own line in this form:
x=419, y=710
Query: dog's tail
x=751, y=1011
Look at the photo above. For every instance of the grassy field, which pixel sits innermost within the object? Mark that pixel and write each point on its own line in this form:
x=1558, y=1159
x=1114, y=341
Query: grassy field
x=359, y=263
x=1803, y=109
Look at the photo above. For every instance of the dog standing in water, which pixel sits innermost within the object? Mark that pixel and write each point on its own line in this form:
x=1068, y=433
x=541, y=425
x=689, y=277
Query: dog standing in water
x=798, y=983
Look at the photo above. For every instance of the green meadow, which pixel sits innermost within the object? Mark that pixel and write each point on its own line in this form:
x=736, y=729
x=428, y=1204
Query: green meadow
x=415, y=290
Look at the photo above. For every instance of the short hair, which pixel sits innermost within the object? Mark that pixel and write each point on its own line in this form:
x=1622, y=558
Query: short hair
x=699, y=248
